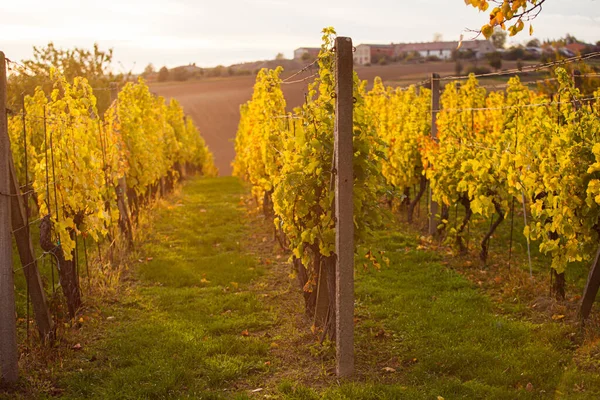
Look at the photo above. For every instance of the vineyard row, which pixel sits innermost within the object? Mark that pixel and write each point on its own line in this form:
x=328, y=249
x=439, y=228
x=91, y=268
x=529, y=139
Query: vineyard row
x=493, y=151
x=82, y=175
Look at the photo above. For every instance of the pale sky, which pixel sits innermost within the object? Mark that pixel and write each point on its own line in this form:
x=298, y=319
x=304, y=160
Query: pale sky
x=209, y=33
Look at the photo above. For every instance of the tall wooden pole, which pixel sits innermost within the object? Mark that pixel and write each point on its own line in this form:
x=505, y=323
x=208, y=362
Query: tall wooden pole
x=8, y=323
x=22, y=236
x=121, y=189
x=435, y=106
x=344, y=207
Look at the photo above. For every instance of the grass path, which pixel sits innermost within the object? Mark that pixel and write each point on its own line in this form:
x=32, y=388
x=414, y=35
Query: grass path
x=179, y=334
x=214, y=314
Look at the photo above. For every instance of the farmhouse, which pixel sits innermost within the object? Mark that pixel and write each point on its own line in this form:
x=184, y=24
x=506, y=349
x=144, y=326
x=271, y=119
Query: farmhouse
x=371, y=53
x=306, y=52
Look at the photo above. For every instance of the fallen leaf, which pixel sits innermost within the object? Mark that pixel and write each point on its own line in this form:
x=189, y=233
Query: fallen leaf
x=76, y=346
x=149, y=258
x=274, y=345
x=267, y=362
x=204, y=280
x=234, y=284
x=202, y=210
x=257, y=390
x=557, y=317
x=245, y=332
x=529, y=387
x=440, y=397
x=388, y=369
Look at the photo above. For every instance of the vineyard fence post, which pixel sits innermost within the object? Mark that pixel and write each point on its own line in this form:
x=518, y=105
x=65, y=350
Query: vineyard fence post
x=344, y=207
x=22, y=233
x=8, y=323
x=593, y=283
x=435, y=106
x=121, y=189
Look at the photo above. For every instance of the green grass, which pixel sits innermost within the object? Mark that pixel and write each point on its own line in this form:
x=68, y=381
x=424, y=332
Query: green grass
x=444, y=338
x=179, y=333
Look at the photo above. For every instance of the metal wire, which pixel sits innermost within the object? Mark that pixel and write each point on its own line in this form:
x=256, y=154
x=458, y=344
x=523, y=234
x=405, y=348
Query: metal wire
x=531, y=68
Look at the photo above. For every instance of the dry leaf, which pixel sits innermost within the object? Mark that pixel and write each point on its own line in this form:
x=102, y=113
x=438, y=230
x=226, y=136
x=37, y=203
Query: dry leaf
x=76, y=346
x=245, y=332
x=557, y=317
x=274, y=345
x=529, y=387
x=257, y=390
x=204, y=280
x=388, y=369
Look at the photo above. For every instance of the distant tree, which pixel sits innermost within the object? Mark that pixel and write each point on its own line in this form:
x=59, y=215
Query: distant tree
x=163, y=74
x=458, y=67
x=280, y=56
x=534, y=43
x=92, y=64
x=520, y=65
x=149, y=70
x=598, y=43
x=462, y=54
x=495, y=60
x=498, y=38
x=305, y=56
x=570, y=39
x=437, y=37
x=179, y=74
x=514, y=53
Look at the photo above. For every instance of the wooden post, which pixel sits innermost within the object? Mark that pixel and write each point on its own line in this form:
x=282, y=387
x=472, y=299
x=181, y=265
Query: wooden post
x=577, y=79
x=8, y=323
x=435, y=106
x=593, y=283
x=22, y=235
x=121, y=189
x=344, y=207
x=591, y=288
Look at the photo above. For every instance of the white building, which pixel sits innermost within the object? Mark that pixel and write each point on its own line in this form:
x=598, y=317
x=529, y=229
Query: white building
x=371, y=53
x=312, y=52
x=444, y=50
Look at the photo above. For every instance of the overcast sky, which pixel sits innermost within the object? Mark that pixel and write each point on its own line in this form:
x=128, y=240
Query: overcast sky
x=176, y=32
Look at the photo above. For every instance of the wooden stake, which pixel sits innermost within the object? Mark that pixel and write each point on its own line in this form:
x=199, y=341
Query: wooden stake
x=8, y=323
x=435, y=106
x=22, y=235
x=344, y=207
